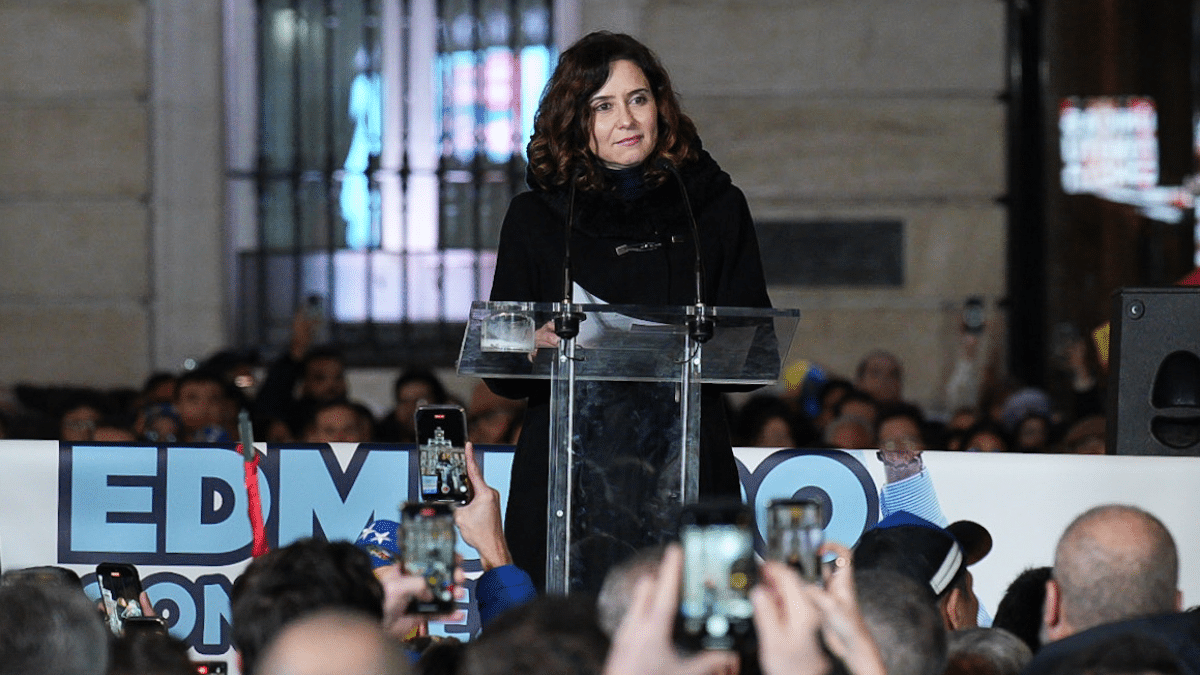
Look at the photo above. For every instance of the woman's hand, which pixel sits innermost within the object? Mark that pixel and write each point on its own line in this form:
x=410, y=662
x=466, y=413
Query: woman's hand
x=545, y=336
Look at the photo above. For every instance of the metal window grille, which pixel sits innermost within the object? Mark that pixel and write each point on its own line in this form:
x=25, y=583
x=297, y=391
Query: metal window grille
x=387, y=138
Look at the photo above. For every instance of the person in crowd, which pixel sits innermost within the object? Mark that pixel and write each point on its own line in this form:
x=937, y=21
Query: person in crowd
x=859, y=404
x=831, y=394
x=611, y=157
x=1086, y=437
x=334, y=641
x=1020, y=608
x=801, y=628
x=502, y=586
x=986, y=651
x=1115, y=577
x=1113, y=562
x=339, y=422
x=237, y=368
x=880, y=375
x=113, y=429
x=413, y=388
x=985, y=436
x=150, y=652
x=1082, y=395
x=200, y=403
x=81, y=415
x=158, y=422
x=159, y=387
x=50, y=628
x=1033, y=433
x=902, y=615
x=302, y=378
x=381, y=541
x=849, y=432
x=552, y=635
x=1022, y=403
x=933, y=555
x=443, y=657
x=766, y=421
x=300, y=578
x=1126, y=654
x=612, y=602
x=962, y=419
x=975, y=361
x=901, y=428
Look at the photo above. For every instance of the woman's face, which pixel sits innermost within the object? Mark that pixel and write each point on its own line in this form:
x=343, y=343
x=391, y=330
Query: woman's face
x=624, y=118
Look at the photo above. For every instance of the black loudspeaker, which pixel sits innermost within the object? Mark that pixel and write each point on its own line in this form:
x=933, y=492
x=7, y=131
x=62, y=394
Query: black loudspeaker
x=1154, y=372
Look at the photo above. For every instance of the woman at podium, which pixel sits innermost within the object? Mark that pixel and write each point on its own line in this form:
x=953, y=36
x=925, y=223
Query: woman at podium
x=611, y=161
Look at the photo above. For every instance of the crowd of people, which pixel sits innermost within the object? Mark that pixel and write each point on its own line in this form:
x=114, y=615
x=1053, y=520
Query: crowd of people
x=900, y=603
x=303, y=396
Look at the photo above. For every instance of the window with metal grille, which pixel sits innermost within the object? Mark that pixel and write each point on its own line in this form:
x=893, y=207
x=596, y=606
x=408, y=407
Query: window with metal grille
x=373, y=148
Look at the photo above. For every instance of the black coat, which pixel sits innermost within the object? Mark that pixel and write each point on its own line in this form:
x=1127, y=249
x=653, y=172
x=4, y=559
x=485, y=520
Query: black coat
x=656, y=269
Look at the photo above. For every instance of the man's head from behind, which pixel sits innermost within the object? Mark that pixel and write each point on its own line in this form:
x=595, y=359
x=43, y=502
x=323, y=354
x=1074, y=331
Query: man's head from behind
x=290, y=582
x=901, y=614
x=50, y=628
x=1113, y=562
x=334, y=641
x=553, y=635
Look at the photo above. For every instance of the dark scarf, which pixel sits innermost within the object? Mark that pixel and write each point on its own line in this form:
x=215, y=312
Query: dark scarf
x=629, y=184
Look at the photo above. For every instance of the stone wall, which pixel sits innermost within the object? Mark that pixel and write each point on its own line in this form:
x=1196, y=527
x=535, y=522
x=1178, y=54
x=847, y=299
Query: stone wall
x=74, y=191
x=854, y=110
x=111, y=245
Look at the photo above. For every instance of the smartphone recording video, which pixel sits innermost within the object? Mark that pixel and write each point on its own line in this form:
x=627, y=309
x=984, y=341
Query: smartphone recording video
x=718, y=572
x=795, y=533
x=428, y=552
x=442, y=453
x=120, y=588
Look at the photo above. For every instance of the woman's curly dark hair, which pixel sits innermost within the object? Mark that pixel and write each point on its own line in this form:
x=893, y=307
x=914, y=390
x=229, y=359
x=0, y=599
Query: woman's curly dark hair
x=563, y=126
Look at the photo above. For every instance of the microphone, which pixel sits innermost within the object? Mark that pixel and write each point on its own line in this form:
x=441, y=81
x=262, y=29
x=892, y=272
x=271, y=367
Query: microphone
x=566, y=324
x=700, y=327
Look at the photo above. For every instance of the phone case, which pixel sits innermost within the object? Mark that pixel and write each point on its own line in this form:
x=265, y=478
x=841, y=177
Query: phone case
x=120, y=591
x=442, y=444
x=719, y=570
x=428, y=551
x=795, y=532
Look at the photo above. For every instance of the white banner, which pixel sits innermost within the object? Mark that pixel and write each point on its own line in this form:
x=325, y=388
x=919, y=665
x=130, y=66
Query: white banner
x=179, y=512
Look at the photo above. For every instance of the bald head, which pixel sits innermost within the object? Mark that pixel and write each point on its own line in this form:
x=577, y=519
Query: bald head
x=1115, y=562
x=331, y=642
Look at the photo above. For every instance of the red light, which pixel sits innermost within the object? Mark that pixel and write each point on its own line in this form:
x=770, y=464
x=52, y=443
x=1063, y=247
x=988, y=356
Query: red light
x=116, y=574
x=203, y=670
x=439, y=416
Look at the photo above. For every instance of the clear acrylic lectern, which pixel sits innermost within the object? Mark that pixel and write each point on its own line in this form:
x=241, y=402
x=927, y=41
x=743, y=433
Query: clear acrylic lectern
x=625, y=410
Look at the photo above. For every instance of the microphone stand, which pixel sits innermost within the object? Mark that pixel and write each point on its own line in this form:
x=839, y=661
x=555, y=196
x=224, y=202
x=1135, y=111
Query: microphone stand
x=700, y=327
x=566, y=324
